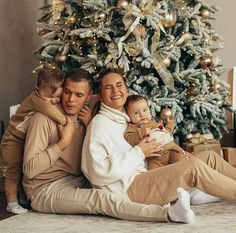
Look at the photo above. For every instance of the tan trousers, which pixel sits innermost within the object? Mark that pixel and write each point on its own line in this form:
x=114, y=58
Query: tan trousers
x=65, y=196
x=208, y=172
x=12, y=154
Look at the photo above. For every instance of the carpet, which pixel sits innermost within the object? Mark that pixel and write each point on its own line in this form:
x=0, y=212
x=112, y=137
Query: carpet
x=210, y=218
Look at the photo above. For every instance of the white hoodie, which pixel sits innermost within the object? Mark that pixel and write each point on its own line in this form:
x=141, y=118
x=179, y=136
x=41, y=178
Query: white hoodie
x=108, y=160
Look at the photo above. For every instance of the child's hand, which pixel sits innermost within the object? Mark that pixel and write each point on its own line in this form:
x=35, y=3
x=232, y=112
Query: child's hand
x=146, y=131
x=85, y=115
x=66, y=134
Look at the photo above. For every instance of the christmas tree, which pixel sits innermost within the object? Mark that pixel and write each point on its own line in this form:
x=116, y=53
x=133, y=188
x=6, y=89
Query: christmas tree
x=166, y=48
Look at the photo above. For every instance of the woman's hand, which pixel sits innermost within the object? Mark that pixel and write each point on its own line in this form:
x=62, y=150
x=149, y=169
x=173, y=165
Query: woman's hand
x=150, y=148
x=66, y=133
x=85, y=115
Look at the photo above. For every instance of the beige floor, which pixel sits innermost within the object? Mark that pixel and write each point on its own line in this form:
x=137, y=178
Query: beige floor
x=211, y=218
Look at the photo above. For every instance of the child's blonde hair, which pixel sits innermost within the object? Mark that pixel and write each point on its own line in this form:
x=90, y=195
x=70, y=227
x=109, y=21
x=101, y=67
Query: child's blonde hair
x=49, y=78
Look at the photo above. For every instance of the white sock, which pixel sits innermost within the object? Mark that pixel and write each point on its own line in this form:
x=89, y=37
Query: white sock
x=198, y=197
x=181, y=211
x=15, y=208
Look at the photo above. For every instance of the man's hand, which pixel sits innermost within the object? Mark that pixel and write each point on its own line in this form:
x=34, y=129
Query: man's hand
x=66, y=134
x=85, y=115
x=150, y=148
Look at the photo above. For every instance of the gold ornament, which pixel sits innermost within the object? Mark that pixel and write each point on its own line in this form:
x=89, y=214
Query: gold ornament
x=70, y=19
x=58, y=5
x=122, y=4
x=170, y=18
x=60, y=58
x=206, y=61
x=139, y=30
x=205, y=13
x=166, y=61
x=193, y=91
x=165, y=113
x=215, y=87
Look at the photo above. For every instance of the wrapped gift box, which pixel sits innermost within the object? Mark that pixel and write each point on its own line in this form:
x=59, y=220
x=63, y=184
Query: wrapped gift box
x=229, y=154
x=200, y=146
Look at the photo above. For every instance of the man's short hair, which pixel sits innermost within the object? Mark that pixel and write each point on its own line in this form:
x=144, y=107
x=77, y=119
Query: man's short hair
x=80, y=74
x=48, y=77
x=133, y=99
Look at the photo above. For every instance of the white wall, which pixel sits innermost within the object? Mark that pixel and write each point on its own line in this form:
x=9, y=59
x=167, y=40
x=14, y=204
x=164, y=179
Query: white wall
x=225, y=25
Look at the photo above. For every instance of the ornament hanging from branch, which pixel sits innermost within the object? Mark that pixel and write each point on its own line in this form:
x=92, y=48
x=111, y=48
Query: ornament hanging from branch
x=205, y=13
x=165, y=113
x=166, y=61
x=59, y=58
x=122, y=4
x=215, y=87
x=206, y=61
x=193, y=91
x=170, y=18
x=70, y=20
x=58, y=5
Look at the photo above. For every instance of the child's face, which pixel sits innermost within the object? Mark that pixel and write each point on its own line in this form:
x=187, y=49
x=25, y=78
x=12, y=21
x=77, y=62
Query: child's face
x=52, y=97
x=56, y=96
x=139, y=112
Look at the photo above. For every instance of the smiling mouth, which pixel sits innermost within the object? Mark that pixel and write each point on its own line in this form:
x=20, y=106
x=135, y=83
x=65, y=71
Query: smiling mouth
x=116, y=97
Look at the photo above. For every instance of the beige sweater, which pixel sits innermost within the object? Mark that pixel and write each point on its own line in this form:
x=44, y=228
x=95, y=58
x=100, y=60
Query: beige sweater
x=134, y=133
x=44, y=162
x=19, y=122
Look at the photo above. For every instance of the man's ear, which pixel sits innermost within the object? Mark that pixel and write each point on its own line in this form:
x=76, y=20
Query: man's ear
x=89, y=95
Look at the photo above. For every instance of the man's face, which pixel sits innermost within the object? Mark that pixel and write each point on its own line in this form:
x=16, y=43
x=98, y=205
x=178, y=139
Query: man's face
x=74, y=96
x=113, y=91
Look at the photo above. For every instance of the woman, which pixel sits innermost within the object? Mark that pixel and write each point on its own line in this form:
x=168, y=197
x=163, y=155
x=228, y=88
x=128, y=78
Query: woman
x=109, y=162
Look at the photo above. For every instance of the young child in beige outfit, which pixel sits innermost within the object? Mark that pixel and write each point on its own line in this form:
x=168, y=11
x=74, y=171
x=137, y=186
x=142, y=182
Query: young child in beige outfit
x=46, y=94
x=142, y=125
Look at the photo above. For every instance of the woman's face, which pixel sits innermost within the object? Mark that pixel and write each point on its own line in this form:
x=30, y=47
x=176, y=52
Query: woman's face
x=113, y=91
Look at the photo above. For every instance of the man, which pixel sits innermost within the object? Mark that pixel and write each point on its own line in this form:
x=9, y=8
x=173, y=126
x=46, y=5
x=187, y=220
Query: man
x=53, y=180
